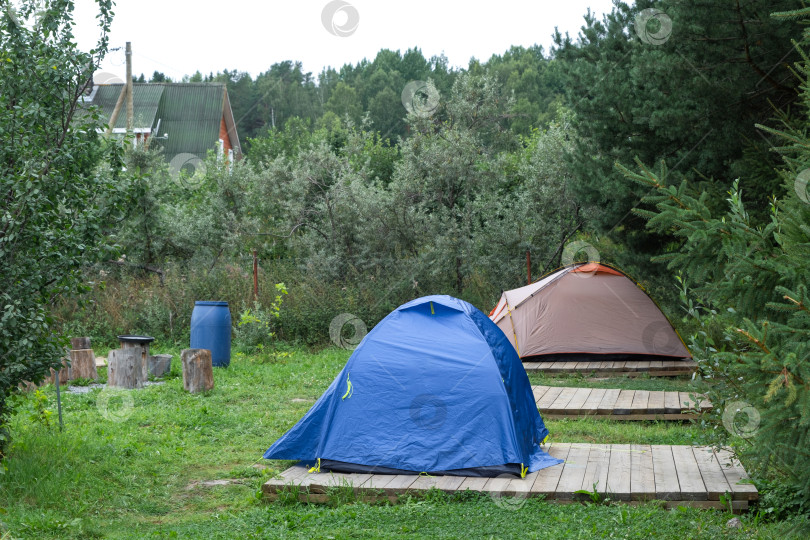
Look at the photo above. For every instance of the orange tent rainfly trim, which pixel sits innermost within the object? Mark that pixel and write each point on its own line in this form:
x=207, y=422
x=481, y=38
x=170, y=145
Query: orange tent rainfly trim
x=596, y=267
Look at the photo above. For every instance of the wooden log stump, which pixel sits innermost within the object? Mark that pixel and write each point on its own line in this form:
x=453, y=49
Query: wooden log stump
x=126, y=368
x=27, y=386
x=83, y=364
x=198, y=371
x=80, y=343
x=159, y=365
x=142, y=347
x=64, y=375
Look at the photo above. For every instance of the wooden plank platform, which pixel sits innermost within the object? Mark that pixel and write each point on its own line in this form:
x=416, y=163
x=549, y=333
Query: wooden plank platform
x=616, y=368
x=679, y=475
x=556, y=402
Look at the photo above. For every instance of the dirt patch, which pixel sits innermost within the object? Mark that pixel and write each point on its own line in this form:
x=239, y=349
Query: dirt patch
x=212, y=483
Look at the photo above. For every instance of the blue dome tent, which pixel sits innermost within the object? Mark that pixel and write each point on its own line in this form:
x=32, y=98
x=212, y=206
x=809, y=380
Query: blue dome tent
x=435, y=387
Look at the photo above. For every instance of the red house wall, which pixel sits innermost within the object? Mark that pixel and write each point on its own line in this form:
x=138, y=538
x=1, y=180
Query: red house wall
x=223, y=134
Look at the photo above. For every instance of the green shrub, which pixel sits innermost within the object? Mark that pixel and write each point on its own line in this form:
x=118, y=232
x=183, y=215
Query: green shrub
x=255, y=327
x=59, y=185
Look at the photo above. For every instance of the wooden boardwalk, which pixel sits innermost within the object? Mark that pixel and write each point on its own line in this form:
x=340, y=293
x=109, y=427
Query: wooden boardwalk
x=633, y=473
x=556, y=402
x=616, y=368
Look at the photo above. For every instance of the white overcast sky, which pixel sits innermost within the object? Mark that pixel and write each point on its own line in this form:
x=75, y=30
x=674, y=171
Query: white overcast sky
x=179, y=37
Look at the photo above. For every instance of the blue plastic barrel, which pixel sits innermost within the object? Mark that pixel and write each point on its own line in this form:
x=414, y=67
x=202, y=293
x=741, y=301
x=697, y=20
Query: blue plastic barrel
x=211, y=329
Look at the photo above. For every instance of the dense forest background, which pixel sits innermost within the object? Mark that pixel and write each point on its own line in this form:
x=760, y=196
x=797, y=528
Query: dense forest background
x=374, y=89
x=368, y=185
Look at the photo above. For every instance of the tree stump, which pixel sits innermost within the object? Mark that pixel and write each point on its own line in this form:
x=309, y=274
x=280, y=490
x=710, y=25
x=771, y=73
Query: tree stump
x=198, y=372
x=64, y=375
x=159, y=365
x=27, y=386
x=83, y=364
x=143, y=347
x=126, y=368
x=80, y=343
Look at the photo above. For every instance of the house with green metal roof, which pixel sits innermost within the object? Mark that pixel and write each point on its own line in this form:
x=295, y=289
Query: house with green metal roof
x=180, y=118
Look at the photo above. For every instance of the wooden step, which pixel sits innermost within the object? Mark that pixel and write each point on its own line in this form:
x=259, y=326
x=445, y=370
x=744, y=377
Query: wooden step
x=616, y=368
x=632, y=473
x=556, y=402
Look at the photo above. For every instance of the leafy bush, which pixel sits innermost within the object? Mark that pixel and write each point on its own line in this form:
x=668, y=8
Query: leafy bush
x=255, y=327
x=59, y=189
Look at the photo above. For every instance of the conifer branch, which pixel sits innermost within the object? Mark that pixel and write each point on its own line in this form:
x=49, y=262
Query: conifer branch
x=798, y=304
x=784, y=135
x=755, y=341
x=792, y=15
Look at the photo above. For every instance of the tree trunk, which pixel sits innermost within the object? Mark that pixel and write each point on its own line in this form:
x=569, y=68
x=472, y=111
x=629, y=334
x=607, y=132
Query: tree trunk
x=459, y=278
x=83, y=364
x=198, y=371
x=126, y=368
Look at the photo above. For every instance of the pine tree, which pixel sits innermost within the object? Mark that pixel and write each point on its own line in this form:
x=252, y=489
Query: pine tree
x=687, y=86
x=746, y=287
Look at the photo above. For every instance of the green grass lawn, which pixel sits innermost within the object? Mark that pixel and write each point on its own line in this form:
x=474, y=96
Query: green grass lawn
x=138, y=468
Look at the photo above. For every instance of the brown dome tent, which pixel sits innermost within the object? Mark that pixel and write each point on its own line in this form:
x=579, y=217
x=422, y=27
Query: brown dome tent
x=586, y=311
